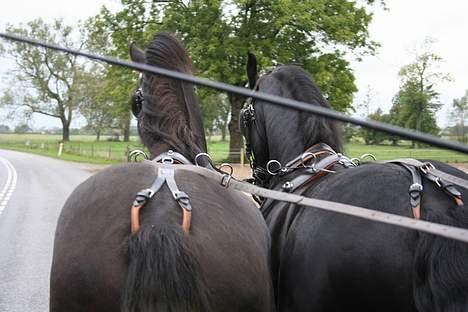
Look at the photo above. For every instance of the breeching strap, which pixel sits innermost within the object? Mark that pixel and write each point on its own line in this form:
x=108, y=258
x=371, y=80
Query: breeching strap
x=165, y=176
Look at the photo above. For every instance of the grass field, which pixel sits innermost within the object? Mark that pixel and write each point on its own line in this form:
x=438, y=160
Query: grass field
x=83, y=148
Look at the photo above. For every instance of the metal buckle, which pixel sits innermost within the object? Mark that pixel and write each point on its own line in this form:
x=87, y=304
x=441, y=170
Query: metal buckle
x=226, y=177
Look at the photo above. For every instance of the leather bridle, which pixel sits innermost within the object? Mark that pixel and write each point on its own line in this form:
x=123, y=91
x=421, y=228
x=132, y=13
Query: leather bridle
x=247, y=118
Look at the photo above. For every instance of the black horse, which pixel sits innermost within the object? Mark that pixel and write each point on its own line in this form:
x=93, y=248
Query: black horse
x=323, y=261
x=221, y=264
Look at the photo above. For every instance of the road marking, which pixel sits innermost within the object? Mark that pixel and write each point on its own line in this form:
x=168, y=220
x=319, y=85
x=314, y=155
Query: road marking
x=9, y=186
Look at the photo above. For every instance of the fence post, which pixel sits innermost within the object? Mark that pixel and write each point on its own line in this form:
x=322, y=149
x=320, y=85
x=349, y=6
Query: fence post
x=60, y=149
x=242, y=157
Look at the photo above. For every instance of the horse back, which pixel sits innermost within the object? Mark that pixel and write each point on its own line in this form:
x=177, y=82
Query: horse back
x=227, y=236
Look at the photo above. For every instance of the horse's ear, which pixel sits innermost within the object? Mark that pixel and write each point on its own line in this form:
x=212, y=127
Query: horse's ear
x=136, y=54
x=252, y=72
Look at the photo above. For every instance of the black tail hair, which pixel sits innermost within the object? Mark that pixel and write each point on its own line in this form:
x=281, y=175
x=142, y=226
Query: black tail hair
x=441, y=266
x=163, y=274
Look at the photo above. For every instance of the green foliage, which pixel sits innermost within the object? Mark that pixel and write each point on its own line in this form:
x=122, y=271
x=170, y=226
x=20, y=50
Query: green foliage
x=416, y=102
x=318, y=34
x=95, y=104
x=460, y=114
x=22, y=128
x=44, y=81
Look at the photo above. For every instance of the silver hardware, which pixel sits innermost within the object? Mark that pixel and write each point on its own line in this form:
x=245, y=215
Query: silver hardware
x=288, y=187
x=199, y=155
x=426, y=167
x=228, y=166
x=135, y=154
x=304, y=155
x=366, y=155
x=276, y=172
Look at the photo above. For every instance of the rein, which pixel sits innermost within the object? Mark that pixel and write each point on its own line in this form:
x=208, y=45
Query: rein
x=446, y=231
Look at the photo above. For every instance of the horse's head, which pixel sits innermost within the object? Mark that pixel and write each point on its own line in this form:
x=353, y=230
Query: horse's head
x=166, y=109
x=278, y=133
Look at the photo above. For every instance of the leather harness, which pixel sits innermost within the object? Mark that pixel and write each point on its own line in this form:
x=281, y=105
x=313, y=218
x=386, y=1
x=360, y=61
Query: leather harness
x=166, y=175
x=316, y=162
x=325, y=158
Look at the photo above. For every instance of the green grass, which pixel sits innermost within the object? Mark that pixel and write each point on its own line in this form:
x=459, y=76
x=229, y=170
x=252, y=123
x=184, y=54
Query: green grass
x=386, y=152
x=84, y=148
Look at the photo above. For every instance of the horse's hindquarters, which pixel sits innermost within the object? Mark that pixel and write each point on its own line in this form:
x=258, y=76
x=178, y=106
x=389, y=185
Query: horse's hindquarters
x=228, y=243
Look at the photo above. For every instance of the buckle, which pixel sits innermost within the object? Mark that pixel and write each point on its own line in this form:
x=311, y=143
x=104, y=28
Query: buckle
x=416, y=187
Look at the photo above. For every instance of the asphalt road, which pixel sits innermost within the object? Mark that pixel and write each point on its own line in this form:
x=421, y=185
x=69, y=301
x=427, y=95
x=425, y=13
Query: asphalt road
x=33, y=189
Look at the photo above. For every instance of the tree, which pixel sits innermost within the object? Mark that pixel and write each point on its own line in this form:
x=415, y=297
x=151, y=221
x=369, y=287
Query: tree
x=278, y=32
x=95, y=105
x=4, y=129
x=44, y=80
x=318, y=34
x=23, y=128
x=460, y=112
x=417, y=102
x=111, y=34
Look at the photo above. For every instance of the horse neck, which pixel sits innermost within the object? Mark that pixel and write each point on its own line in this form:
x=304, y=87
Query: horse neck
x=283, y=134
x=158, y=149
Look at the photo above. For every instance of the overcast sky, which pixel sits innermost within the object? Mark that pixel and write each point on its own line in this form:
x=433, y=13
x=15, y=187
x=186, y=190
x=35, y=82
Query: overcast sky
x=399, y=30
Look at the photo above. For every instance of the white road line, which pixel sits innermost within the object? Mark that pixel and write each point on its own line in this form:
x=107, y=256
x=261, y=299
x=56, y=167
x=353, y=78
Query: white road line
x=9, y=186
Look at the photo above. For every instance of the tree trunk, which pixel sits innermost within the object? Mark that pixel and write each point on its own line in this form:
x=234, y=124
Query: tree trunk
x=419, y=117
x=236, y=141
x=127, y=128
x=223, y=132
x=98, y=135
x=66, y=133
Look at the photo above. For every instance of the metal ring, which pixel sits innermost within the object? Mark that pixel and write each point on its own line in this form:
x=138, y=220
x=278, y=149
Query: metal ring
x=201, y=154
x=308, y=166
x=226, y=165
x=363, y=156
x=273, y=161
x=356, y=161
x=133, y=155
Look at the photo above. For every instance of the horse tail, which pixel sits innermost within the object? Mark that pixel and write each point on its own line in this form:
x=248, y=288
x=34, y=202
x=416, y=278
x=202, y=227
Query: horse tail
x=441, y=269
x=163, y=274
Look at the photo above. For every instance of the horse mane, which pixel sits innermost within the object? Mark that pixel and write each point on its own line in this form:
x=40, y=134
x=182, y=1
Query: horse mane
x=170, y=112
x=302, y=88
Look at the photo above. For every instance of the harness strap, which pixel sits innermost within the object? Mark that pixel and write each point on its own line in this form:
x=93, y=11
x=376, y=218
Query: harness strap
x=428, y=167
x=447, y=231
x=415, y=190
x=165, y=175
x=443, y=180
x=317, y=171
